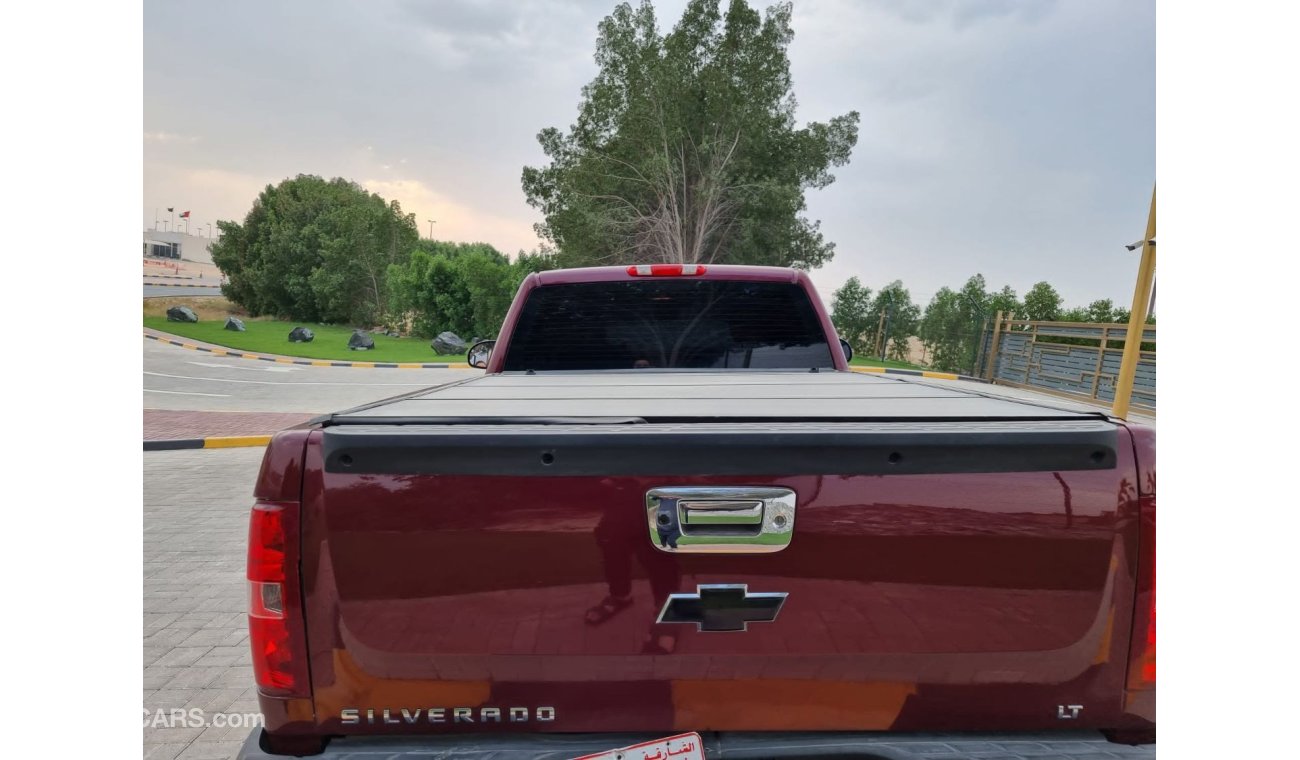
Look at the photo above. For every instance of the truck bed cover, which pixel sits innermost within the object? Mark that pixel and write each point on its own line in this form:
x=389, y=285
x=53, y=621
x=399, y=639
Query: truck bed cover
x=663, y=423
x=683, y=395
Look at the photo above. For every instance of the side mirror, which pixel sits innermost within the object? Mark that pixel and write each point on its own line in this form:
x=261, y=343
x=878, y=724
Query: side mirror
x=847, y=349
x=479, y=353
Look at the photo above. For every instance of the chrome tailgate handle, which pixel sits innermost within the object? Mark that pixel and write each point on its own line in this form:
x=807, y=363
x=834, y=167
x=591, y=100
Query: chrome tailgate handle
x=721, y=519
x=695, y=513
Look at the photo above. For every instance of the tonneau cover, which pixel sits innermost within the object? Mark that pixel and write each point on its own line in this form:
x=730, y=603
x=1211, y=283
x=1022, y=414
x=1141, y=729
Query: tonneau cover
x=582, y=424
x=673, y=395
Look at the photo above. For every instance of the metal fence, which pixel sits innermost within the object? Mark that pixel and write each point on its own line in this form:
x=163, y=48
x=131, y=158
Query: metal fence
x=1072, y=359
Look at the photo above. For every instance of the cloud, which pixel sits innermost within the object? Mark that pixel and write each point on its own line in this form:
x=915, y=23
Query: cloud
x=454, y=220
x=1009, y=137
x=209, y=193
x=169, y=137
x=965, y=14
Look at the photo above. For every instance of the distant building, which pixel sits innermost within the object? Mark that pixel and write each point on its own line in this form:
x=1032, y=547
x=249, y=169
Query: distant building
x=177, y=245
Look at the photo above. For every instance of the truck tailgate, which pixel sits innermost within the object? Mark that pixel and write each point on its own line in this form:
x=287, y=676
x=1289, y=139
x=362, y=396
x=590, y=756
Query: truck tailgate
x=965, y=568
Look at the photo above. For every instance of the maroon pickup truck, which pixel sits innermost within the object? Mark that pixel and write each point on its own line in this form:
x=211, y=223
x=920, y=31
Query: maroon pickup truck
x=668, y=506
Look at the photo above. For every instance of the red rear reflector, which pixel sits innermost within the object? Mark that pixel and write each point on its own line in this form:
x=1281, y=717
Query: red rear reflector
x=666, y=270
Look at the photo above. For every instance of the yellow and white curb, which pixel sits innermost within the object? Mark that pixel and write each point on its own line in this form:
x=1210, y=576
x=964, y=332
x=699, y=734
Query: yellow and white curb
x=216, y=442
x=915, y=373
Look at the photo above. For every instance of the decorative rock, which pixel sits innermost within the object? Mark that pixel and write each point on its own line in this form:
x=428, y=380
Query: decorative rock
x=235, y=323
x=181, y=314
x=301, y=335
x=361, y=341
x=448, y=342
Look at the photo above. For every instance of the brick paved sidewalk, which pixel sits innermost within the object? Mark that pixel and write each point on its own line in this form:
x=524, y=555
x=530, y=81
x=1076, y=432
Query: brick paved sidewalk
x=195, y=597
x=165, y=424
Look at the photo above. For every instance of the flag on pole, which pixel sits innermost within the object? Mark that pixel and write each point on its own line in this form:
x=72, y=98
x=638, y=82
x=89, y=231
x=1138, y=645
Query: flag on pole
x=185, y=215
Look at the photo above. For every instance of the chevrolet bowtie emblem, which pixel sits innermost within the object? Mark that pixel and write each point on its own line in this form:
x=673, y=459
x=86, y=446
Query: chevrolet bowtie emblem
x=722, y=607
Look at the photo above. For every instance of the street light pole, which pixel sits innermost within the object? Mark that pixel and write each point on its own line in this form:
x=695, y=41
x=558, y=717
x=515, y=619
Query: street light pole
x=1137, y=317
x=430, y=221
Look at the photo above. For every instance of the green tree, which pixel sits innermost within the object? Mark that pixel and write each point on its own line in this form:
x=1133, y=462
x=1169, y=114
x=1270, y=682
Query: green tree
x=951, y=325
x=1006, y=302
x=466, y=288
x=538, y=260
x=1042, y=303
x=1122, y=314
x=314, y=250
x=1077, y=314
x=1101, y=310
x=490, y=284
x=851, y=314
x=901, y=318
x=454, y=250
x=429, y=294
x=940, y=330
x=685, y=147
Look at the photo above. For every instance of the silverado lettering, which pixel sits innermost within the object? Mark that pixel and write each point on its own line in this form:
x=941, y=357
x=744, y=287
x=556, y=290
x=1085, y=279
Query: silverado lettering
x=351, y=716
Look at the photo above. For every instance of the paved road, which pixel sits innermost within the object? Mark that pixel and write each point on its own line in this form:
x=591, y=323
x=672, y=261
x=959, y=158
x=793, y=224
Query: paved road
x=157, y=291
x=178, y=378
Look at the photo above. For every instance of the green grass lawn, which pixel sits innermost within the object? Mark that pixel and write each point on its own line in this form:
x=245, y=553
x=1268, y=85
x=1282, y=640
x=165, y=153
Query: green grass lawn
x=272, y=337
x=868, y=361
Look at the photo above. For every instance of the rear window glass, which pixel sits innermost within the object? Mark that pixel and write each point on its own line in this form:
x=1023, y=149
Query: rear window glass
x=677, y=323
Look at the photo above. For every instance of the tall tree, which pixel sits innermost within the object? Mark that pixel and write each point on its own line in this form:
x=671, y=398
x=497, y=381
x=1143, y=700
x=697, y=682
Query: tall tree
x=1101, y=310
x=685, y=147
x=951, y=326
x=1006, y=302
x=940, y=330
x=315, y=250
x=900, y=318
x=851, y=314
x=1076, y=314
x=462, y=287
x=1042, y=303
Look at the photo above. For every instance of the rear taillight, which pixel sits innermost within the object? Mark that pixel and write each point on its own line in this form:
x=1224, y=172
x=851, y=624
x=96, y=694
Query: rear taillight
x=277, y=668
x=1148, y=661
x=1142, y=666
x=666, y=270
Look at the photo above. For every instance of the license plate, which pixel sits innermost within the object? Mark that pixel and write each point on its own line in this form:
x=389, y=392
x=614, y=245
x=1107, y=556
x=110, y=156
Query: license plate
x=679, y=747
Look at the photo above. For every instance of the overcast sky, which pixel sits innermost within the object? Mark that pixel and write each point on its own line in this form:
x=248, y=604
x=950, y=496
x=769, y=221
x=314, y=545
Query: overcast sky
x=1011, y=138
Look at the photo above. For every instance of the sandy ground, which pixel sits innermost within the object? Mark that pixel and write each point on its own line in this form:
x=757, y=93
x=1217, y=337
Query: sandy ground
x=207, y=307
